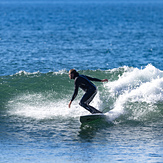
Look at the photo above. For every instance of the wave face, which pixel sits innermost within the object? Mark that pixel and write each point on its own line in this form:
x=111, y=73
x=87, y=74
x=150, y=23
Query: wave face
x=130, y=94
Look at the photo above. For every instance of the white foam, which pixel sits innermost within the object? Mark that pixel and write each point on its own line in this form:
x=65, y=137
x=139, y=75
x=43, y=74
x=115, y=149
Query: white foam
x=26, y=73
x=38, y=106
x=61, y=72
x=136, y=85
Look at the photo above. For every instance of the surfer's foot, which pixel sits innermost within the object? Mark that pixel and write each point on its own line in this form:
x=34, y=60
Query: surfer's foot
x=96, y=111
x=92, y=109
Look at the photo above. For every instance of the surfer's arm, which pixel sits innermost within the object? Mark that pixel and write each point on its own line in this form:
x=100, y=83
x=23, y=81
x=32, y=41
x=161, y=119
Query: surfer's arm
x=73, y=97
x=75, y=94
x=98, y=80
x=69, y=105
x=104, y=80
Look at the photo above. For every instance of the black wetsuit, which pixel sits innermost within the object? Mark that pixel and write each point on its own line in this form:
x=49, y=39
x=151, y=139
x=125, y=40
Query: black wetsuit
x=84, y=82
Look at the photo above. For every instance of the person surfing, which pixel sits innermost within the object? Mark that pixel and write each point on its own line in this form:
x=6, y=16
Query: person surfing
x=84, y=82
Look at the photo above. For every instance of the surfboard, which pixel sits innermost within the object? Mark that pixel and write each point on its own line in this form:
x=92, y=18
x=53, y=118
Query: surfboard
x=92, y=117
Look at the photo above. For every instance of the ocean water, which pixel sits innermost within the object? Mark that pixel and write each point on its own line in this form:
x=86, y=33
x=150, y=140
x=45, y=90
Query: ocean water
x=119, y=40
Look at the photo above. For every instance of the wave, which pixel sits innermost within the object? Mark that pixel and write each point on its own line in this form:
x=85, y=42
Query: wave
x=137, y=93
x=130, y=94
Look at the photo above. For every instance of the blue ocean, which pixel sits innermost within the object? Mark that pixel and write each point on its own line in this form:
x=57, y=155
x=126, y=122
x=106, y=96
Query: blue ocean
x=118, y=40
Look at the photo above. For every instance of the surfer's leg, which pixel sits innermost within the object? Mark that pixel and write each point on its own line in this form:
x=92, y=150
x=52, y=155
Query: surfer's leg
x=93, y=110
x=86, y=99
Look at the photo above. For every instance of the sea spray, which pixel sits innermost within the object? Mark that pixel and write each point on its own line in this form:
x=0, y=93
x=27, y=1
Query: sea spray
x=39, y=106
x=144, y=86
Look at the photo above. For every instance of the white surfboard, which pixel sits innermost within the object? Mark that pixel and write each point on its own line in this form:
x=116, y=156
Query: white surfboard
x=92, y=117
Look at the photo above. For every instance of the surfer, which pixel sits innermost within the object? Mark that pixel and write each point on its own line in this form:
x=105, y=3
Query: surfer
x=84, y=82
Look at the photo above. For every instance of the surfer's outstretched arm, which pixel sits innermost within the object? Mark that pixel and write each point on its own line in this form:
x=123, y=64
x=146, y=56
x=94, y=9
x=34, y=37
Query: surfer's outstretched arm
x=104, y=80
x=95, y=79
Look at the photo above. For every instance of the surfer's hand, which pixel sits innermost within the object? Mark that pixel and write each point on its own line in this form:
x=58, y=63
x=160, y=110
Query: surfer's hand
x=69, y=105
x=104, y=80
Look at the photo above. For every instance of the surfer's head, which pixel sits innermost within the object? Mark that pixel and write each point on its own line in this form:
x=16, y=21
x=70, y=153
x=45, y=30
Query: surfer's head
x=73, y=74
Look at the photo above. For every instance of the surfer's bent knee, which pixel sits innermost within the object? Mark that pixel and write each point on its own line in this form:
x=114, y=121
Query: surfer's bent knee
x=82, y=104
